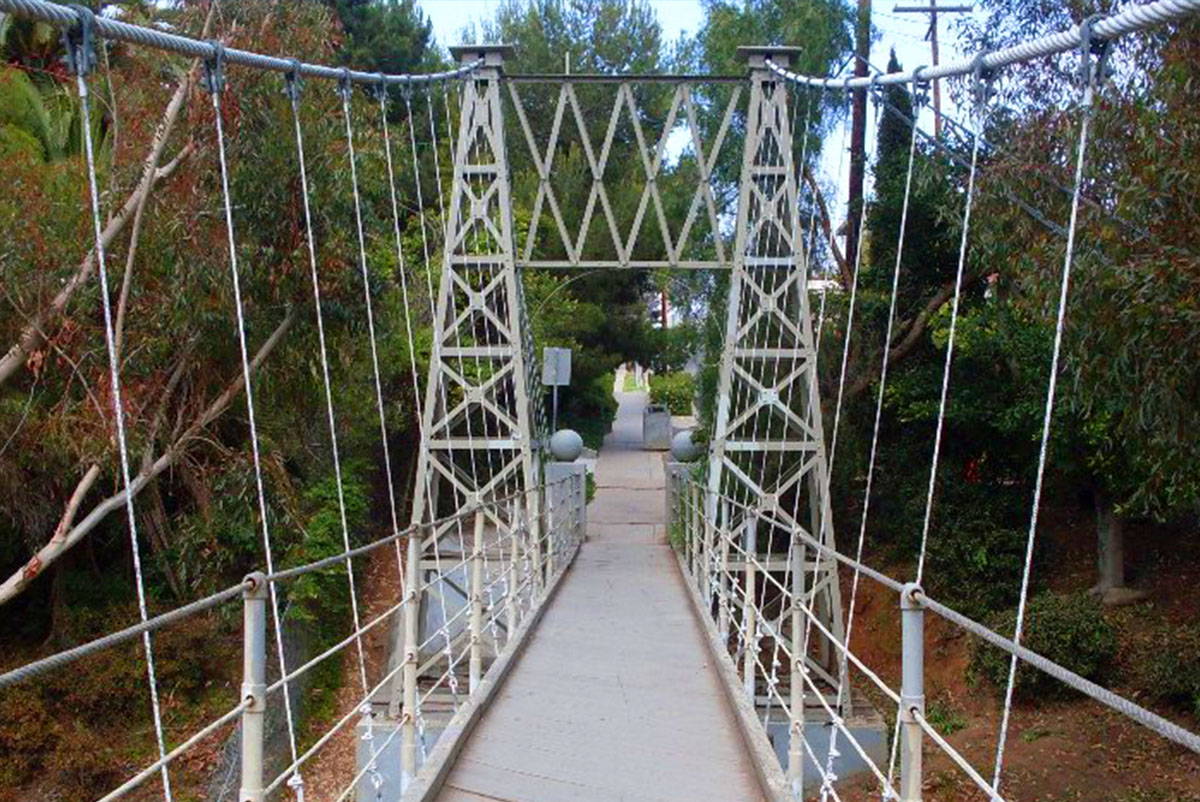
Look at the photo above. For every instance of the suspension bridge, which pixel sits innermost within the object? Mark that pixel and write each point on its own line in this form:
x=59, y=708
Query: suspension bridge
x=685, y=635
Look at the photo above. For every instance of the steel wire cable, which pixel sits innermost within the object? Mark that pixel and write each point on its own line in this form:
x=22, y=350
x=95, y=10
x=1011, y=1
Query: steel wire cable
x=80, y=58
x=109, y=28
x=370, y=315
x=1130, y=20
x=1086, y=113
x=327, y=384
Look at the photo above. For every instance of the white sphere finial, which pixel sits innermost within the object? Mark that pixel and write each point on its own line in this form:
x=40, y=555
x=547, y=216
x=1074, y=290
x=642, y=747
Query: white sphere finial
x=566, y=445
x=684, y=447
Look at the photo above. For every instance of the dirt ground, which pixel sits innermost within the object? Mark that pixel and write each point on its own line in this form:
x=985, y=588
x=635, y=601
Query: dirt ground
x=1057, y=751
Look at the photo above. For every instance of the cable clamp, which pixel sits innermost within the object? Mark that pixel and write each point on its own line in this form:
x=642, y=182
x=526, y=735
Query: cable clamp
x=214, y=68
x=1090, y=45
x=292, y=83
x=80, y=41
x=875, y=88
x=920, y=87
x=406, y=88
x=381, y=89
x=982, y=85
x=344, y=85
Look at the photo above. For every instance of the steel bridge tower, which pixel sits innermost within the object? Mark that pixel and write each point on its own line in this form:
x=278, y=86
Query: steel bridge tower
x=768, y=447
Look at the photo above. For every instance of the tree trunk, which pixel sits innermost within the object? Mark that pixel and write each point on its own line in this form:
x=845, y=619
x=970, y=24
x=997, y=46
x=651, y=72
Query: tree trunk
x=1110, y=553
x=1110, y=545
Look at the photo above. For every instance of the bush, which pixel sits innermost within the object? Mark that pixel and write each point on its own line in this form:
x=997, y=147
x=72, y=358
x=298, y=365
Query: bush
x=591, y=411
x=974, y=565
x=1070, y=629
x=1169, y=669
x=675, y=390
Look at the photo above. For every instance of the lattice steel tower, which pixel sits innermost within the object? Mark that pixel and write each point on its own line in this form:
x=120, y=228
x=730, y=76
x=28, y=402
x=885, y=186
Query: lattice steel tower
x=768, y=449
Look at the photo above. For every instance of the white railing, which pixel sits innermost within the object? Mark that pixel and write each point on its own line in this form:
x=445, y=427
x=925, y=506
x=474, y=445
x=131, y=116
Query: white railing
x=508, y=570
x=763, y=609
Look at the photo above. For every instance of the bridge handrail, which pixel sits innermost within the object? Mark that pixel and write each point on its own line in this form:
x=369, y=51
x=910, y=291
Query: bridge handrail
x=112, y=639
x=1098, y=693
x=1136, y=18
x=564, y=526
x=186, y=45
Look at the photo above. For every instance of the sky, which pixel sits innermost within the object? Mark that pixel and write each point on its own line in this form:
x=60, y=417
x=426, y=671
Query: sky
x=904, y=32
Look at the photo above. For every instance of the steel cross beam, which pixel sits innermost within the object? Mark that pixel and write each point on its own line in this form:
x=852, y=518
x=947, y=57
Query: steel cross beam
x=768, y=450
x=600, y=239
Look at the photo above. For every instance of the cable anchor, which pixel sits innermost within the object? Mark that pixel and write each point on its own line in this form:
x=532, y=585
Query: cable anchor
x=214, y=69
x=80, y=41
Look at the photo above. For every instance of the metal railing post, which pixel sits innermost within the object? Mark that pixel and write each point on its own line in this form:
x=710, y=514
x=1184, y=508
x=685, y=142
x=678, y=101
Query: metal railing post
x=412, y=609
x=749, y=613
x=512, y=609
x=693, y=538
x=706, y=545
x=723, y=574
x=581, y=505
x=796, y=689
x=475, y=661
x=535, y=544
x=912, y=692
x=254, y=686
x=550, y=533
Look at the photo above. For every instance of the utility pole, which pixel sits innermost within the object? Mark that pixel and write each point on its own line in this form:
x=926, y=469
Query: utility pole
x=858, y=130
x=933, y=9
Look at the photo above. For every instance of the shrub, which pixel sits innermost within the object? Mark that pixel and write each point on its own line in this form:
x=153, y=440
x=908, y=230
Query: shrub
x=1071, y=630
x=1169, y=669
x=974, y=565
x=591, y=411
x=676, y=390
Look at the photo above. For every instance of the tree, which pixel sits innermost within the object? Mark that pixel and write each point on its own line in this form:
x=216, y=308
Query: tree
x=392, y=36
x=1126, y=417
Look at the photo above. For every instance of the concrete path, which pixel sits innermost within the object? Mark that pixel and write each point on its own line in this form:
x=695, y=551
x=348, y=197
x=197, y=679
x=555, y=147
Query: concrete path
x=615, y=698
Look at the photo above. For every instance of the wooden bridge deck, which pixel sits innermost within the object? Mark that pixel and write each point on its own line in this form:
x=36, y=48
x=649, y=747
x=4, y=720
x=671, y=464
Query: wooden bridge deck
x=615, y=697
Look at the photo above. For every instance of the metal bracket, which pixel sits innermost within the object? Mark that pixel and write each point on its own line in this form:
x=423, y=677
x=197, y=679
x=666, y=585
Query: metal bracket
x=344, y=86
x=981, y=87
x=1091, y=45
x=292, y=82
x=214, y=69
x=80, y=41
x=920, y=87
x=380, y=89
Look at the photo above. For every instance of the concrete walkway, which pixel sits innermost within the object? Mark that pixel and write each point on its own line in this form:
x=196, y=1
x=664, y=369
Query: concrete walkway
x=615, y=698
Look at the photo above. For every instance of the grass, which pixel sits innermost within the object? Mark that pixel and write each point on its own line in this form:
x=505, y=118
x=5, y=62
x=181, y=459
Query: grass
x=944, y=717
x=631, y=385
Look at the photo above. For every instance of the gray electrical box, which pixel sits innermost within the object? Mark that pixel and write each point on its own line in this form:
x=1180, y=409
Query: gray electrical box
x=556, y=366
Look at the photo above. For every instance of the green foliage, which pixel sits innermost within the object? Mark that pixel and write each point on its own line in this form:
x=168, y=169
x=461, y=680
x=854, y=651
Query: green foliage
x=945, y=717
x=322, y=596
x=1167, y=669
x=1071, y=630
x=596, y=396
x=973, y=564
x=672, y=348
x=675, y=390
x=392, y=36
